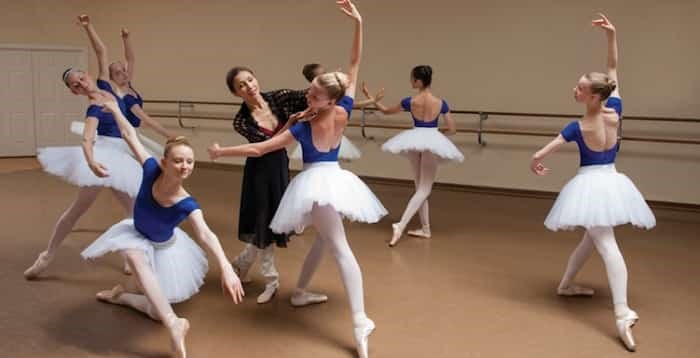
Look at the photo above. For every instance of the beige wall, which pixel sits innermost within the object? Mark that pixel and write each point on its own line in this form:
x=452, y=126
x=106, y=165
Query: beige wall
x=493, y=55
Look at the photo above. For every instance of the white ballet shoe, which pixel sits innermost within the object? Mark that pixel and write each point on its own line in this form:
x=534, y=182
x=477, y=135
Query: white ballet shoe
x=242, y=275
x=362, y=333
x=40, y=265
x=305, y=298
x=624, y=329
x=422, y=233
x=396, y=235
x=267, y=295
x=299, y=230
x=574, y=290
x=111, y=296
x=178, y=331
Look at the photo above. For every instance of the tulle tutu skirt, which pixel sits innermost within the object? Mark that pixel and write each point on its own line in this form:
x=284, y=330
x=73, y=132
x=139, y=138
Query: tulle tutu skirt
x=348, y=151
x=599, y=196
x=68, y=162
x=422, y=140
x=154, y=148
x=179, y=263
x=325, y=183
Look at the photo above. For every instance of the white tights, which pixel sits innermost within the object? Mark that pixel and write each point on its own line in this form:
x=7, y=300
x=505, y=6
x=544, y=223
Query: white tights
x=603, y=238
x=331, y=233
x=424, y=166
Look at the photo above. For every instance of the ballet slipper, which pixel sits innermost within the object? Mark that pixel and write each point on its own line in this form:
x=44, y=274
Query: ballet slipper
x=304, y=298
x=362, y=332
x=423, y=232
x=574, y=290
x=624, y=325
x=39, y=266
x=396, y=236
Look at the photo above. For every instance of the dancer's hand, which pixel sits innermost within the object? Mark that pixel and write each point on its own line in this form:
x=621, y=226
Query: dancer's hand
x=214, y=151
x=377, y=97
x=305, y=114
x=231, y=283
x=98, y=169
x=538, y=168
x=347, y=7
x=604, y=23
x=125, y=32
x=83, y=20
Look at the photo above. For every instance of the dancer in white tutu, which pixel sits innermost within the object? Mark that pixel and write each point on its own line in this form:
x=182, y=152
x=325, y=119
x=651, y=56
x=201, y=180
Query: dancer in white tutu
x=168, y=266
x=348, y=150
x=121, y=73
x=424, y=145
x=323, y=193
x=104, y=160
x=598, y=198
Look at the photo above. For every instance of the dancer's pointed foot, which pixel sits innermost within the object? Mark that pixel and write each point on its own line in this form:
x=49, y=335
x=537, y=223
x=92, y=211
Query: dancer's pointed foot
x=362, y=332
x=396, y=235
x=40, y=265
x=624, y=325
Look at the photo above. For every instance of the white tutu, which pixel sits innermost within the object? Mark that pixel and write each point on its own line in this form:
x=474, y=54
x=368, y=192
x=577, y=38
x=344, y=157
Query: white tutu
x=348, y=151
x=179, y=264
x=422, y=139
x=152, y=147
x=68, y=162
x=599, y=196
x=325, y=183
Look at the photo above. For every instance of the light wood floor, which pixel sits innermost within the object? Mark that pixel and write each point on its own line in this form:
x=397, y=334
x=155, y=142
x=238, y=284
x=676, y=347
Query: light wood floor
x=483, y=286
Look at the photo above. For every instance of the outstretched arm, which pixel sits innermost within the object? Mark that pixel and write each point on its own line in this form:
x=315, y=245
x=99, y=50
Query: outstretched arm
x=347, y=7
x=536, y=163
x=611, y=34
x=128, y=53
x=252, y=149
x=150, y=122
x=377, y=98
x=88, y=145
x=97, y=45
x=127, y=130
x=229, y=280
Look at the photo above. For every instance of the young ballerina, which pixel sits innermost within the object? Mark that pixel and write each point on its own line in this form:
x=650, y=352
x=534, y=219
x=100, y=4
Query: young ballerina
x=103, y=160
x=348, y=151
x=598, y=198
x=262, y=116
x=168, y=266
x=424, y=146
x=323, y=193
x=121, y=73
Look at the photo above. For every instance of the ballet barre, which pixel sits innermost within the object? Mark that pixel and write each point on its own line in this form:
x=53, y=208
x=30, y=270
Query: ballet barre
x=186, y=110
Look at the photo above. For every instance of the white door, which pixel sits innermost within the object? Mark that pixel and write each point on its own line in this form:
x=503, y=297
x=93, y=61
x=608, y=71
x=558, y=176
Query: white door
x=16, y=104
x=54, y=105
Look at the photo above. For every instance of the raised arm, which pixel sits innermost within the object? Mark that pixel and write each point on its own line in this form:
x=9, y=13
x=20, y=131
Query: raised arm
x=97, y=45
x=536, y=163
x=229, y=280
x=253, y=149
x=128, y=53
x=611, y=34
x=347, y=7
x=127, y=130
